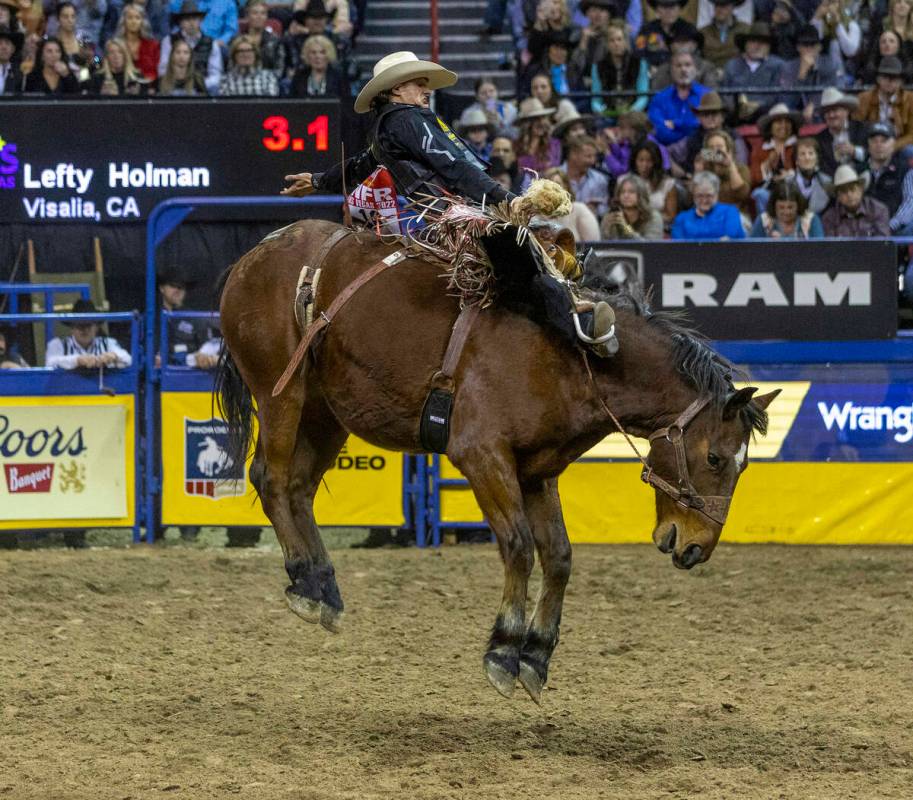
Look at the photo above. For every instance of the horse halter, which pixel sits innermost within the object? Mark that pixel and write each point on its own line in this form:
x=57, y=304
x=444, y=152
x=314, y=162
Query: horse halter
x=714, y=507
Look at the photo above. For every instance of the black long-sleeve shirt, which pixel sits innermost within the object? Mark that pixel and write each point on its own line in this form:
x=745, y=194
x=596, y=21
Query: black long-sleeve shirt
x=425, y=156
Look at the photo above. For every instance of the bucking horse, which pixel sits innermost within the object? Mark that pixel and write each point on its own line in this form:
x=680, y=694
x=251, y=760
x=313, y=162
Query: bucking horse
x=526, y=404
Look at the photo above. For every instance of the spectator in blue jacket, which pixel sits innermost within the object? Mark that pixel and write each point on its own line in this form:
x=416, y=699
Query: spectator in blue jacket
x=708, y=219
x=671, y=110
x=220, y=22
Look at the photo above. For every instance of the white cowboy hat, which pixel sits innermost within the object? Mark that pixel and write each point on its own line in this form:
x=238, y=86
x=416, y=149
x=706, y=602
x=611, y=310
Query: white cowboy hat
x=474, y=118
x=567, y=117
x=532, y=108
x=832, y=96
x=397, y=68
x=845, y=175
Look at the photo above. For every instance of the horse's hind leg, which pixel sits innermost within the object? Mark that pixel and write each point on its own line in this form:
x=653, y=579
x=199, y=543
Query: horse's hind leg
x=320, y=438
x=543, y=509
x=493, y=478
x=271, y=473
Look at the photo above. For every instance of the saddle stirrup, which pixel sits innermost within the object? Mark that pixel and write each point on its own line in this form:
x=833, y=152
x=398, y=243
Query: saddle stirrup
x=591, y=339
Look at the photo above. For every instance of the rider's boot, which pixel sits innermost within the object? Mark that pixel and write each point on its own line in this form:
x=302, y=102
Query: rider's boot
x=598, y=330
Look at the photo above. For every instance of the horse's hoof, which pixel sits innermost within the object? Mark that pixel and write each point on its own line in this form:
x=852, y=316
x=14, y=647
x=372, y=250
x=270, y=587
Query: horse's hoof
x=532, y=682
x=502, y=679
x=304, y=607
x=330, y=618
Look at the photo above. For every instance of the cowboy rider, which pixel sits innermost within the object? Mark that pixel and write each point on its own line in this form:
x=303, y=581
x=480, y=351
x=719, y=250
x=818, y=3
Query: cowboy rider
x=425, y=157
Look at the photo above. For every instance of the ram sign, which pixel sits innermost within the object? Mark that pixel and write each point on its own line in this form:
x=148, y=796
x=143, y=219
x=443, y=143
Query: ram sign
x=816, y=290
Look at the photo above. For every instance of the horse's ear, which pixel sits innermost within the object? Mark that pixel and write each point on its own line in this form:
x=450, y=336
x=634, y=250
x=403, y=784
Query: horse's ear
x=737, y=401
x=764, y=400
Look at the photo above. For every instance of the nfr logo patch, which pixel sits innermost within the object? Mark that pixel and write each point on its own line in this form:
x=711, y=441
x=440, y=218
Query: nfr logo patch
x=208, y=468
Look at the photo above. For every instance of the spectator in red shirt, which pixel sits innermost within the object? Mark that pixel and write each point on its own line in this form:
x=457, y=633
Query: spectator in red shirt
x=135, y=30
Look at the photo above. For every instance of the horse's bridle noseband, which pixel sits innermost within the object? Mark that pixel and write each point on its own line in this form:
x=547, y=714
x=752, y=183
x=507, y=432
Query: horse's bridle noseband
x=714, y=507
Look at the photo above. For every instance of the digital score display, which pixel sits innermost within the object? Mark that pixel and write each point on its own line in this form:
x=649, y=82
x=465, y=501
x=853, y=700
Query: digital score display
x=281, y=139
x=103, y=162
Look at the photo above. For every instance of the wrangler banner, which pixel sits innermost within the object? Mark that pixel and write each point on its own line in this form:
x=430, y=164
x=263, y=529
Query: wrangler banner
x=202, y=484
x=66, y=462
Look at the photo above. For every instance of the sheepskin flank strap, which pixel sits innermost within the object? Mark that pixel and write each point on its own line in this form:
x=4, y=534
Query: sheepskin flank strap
x=326, y=317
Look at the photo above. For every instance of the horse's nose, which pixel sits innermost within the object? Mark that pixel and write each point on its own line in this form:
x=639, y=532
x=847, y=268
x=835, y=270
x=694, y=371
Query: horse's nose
x=667, y=544
x=690, y=556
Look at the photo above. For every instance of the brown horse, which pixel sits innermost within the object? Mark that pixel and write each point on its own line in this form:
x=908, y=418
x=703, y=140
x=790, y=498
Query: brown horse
x=526, y=405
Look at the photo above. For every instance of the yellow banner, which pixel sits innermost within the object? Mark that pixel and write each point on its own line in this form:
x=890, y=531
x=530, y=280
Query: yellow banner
x=793, y=503
x=201, y=485
x=66, y=462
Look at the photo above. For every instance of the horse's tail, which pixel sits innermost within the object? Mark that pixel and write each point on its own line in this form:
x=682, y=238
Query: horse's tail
x=234, y=400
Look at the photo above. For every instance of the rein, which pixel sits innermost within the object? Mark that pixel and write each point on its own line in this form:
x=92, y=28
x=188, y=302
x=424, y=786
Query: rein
x=713, y=507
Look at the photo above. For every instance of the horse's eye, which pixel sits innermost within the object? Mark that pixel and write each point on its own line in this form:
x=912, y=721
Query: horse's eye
x=713, y=460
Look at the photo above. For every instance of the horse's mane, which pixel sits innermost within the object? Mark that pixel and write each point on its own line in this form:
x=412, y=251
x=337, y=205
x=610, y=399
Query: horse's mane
x=704, y=368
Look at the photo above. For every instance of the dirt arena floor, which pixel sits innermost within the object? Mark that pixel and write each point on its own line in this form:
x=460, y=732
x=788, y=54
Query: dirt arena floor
x=771, y=672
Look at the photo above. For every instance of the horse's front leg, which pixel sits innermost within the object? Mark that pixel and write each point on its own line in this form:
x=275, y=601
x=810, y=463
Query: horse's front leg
x=493, y=478
x=543, y=510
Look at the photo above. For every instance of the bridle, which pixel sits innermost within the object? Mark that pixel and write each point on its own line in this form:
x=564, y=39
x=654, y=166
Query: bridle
x=683, y=492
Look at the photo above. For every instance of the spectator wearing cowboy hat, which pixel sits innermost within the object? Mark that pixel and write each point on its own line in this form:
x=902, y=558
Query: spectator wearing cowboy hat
x=843, y=141
x=711, y=115
x=889, y=102
x=744, y=12
x=889, y=44
x=655, y=37
x=591, y=47
x=810, y=69
x=220, y=21
x=705, y=74
x=774, y=157
x=207, y=55
x=569, y=123
x=475, y=127
x=719, y=35
x=753, y=68
x=84, y=348
x=537, y=151
x=671, y=110
x=10, y=76
x=853, y=215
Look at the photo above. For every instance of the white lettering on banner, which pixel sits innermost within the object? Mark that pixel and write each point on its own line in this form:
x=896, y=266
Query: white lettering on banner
x=150, y=176
x=857, y=286
x=29, y=478
x=761, y=286
x=63, y=176
x=809, y=289
x=698, y=288
x=869, y=418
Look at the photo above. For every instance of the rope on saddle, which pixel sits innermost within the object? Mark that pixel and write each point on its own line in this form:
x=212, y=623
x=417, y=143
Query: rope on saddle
x=326, y=317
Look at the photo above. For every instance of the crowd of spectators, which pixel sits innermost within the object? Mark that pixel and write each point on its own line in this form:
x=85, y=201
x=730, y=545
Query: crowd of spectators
x=176, y=47
x=708, y=119
x=665, y=118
